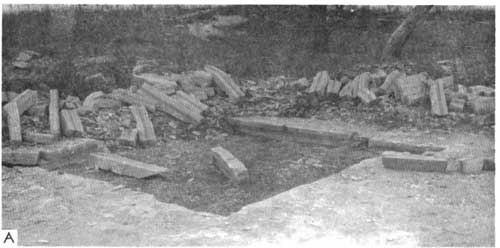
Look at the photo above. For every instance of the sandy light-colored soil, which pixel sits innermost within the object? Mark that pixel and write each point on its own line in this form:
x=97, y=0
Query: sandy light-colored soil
x=364, y=204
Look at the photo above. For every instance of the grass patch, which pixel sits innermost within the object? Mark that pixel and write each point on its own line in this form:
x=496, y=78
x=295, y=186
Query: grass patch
x=275, y=41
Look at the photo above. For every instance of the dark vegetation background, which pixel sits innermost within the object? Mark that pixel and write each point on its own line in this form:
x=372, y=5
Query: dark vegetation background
x=275, y=41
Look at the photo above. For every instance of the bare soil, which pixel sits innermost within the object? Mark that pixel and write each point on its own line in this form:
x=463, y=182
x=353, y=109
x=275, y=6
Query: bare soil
x=193, y=181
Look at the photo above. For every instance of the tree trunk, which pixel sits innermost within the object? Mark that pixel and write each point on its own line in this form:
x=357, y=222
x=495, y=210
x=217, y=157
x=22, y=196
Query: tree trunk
x=399, y=37
x=319, y=28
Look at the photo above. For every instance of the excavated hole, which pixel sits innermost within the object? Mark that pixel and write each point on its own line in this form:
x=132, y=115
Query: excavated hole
x=193, y=182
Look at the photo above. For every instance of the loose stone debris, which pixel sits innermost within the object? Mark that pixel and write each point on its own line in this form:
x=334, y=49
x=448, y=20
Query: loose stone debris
x=145, y=128
x=320, y=83
x=438, y=101
x=316, y=132
x=13, y=121
x=476, y=165
x=482, y=104
x=71, y=123
x=124, y=166
x=411, y=89
x=232, y=168
x=25, y=100
x=40, y=138
x=128, y=137
x=225, y=82
x=407, y=161
x=158, y=81
x=20, y=156
x=195, y=97
x=457, y=105
x=55, y=125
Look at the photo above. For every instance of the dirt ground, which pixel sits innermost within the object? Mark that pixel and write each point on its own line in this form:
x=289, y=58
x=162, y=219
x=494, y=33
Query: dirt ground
x=364, y=204
x=193, y=182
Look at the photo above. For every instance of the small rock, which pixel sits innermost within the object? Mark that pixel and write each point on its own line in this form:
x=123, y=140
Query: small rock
x=172, y=124
x=21, y=64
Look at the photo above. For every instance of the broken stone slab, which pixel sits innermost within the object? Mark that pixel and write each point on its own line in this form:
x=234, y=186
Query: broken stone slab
x=350, y=89
x=446, y=81
x=489, y=164
x=187, y=106
x=200, y=94
x=192, y=100
x=146, y=97
x=438, y=100
x=54, y=122
x=91, y=99
x=297, y=130
x=481, y=90
x=70, y=123
x=158, y=81
x=401, y=147
x=366, y=95
x=171, y=105
x=20, y=156
x=40, y=138
x=471, y=165
x=128, y=137
x=482, y=104
x=145, y=65
x=333, y=87
x=301, y=83
x=320, y=83
x=364, y=81
x=232, y=168
x=202, y=79
x=413, y=162
x=225, y=82
x=103, y=103
x=25, y=100
x=13, y=121
x=132, y=99
x=456, y=105
x=144, y=125
x=125, y=166
x=70, y=149
x=411, y=89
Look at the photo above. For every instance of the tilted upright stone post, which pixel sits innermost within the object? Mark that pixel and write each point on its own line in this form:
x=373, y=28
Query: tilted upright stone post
x=144, y=125
x=438, y=100
x=54, y=122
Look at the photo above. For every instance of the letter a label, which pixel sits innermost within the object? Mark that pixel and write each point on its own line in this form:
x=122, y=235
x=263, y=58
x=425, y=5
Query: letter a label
x=8, y=238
